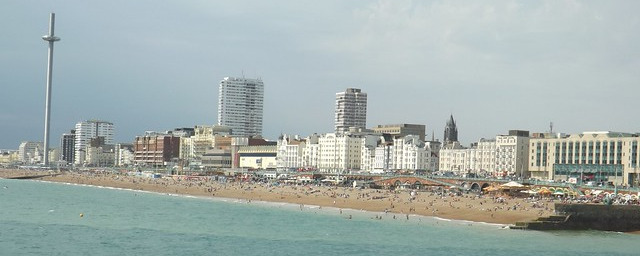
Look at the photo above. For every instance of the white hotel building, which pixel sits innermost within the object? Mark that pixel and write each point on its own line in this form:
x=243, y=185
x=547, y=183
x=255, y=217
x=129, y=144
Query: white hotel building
x=340, y=152
x=289, y=153
x=240, y=103
x=366, y=152
x=410, y=153
x=504, y=155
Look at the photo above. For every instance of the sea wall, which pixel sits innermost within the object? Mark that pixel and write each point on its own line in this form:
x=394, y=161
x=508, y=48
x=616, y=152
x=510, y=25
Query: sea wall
x=621, y=218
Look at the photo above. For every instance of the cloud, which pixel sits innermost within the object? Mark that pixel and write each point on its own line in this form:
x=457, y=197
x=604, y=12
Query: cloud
x=495, y=65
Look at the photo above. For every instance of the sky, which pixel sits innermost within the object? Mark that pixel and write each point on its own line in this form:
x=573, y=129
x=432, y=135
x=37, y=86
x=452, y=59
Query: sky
x=156, y=65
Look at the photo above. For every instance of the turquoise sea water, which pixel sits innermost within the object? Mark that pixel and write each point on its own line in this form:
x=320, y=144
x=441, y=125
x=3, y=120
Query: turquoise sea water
x=40, y=218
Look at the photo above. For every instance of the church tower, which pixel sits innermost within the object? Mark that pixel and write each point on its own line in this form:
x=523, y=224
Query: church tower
x=450, y=132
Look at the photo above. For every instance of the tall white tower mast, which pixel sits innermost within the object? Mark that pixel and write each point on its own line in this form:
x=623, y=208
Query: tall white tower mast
x=51, y=39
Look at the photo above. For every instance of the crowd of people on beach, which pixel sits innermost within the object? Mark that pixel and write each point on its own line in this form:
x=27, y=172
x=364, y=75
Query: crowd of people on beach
x=433, y=201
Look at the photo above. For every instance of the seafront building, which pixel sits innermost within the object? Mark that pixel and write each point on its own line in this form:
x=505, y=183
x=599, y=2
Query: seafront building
x=411, y=153
x=351, y=110
x=383, y=156
x=67, y=145
x=30, y=152
x=586, y=157
x=238, y=143
x=240, y=104
x=289, y=152
x=156, y=149
x=9, y=157
x=215, y=158
x=183, y=132
x=484, y=157
x=257, y=157
x=203, y=138
x=54, y=156
x=311, y=152
x=124, y=155
x=368, y=159
x=100, y=156
x=456, y=158
x=359, y=151
x=235, y=152
x=512, y=153
x=506, y=155
x=342, y=151
x=87, y=131
x=195, y=146
x=401, y=130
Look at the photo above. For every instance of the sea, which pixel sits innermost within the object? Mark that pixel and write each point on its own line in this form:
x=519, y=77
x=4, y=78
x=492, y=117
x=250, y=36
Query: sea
x=45, y=218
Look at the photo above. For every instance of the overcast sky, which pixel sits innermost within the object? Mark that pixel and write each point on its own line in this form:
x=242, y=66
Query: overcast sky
x=156, y=65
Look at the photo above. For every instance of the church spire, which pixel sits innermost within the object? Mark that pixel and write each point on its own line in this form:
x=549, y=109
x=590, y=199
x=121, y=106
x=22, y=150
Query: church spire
x=450, y=131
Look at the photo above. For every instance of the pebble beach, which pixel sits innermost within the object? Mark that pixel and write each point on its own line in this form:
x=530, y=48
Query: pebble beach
x=435, y=201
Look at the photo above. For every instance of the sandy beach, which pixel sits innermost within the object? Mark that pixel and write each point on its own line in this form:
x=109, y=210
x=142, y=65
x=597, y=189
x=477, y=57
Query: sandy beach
x=401, y=204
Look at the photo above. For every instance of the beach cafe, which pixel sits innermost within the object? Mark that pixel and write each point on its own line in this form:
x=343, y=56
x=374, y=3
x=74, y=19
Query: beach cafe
x=512, y=188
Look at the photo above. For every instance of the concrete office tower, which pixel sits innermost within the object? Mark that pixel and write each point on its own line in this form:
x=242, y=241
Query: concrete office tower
x=351, y=110
x=67, y=144
x=240, y=102
x=450, y=131
x=88, y=130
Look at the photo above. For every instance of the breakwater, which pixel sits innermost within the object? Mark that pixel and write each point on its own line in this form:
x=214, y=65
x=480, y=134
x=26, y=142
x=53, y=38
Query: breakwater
x=622, y=218
x=28, y=177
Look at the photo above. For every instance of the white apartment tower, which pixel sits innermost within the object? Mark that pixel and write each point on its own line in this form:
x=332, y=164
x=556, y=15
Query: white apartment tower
x=88, y=130
x=351, y=110
x=240, y=102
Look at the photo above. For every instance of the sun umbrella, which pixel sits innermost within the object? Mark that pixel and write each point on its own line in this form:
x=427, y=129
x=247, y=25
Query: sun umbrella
x=544, y=191
x=512, y=184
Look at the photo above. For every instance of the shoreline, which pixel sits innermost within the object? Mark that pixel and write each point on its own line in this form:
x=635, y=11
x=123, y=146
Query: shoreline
x=292, y=206
x=464, y=207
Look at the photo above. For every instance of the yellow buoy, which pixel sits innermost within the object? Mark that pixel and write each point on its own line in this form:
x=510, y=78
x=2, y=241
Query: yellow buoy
x=81, y=215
